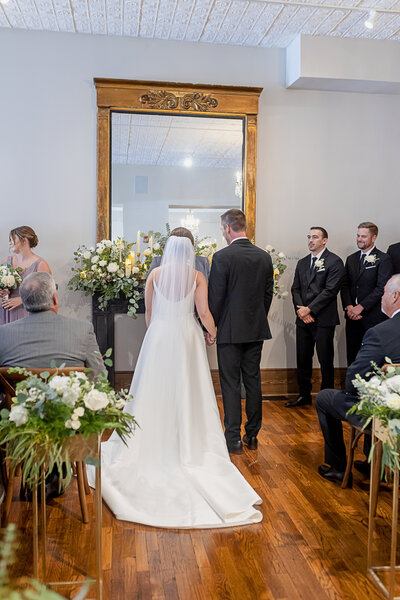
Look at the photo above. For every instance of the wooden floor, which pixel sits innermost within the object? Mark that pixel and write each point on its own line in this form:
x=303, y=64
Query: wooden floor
x=311, y=544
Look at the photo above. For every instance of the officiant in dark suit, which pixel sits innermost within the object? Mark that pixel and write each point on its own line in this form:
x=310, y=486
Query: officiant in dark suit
x=240, y=293
x=394, y=253
x=380, y=341
x=366, y=273
x=316, y=284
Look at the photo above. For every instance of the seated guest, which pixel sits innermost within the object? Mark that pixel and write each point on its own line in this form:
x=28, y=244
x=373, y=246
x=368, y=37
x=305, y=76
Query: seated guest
x=44, y=335
x=202, y=263
x=379, y=342
x=394, y=253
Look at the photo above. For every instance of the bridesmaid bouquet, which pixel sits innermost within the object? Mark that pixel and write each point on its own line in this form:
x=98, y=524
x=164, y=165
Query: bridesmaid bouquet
x=10, y=278
x=48, y=411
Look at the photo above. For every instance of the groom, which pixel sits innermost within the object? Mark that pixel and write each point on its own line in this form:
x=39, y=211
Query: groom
x=240, y=293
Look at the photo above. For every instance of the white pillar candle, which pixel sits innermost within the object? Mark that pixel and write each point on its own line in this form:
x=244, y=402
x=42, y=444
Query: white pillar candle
x=128, y=267
x=151, y=243
x=138, y=243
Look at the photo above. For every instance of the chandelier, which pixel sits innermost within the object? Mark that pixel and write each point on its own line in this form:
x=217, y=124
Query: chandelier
x=190, y=222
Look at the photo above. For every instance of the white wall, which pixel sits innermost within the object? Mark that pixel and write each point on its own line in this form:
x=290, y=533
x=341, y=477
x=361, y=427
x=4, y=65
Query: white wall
x=324, y=158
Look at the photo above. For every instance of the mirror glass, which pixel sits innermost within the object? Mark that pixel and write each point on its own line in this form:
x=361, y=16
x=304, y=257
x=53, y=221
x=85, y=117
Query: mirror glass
x=177, y=169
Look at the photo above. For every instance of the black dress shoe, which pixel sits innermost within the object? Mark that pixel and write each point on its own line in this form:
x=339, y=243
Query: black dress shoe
x=363, y=466
x=250, y=441
x=332, y=474
x=300, y=401
x=235, y=448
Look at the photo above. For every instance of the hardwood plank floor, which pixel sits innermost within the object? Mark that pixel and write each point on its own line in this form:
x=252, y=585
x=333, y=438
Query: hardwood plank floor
x=310, y=545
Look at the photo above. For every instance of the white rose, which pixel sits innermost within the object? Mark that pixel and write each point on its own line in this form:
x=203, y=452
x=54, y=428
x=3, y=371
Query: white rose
x=102, y=263
x=147, y=252
x=393, y=383
x=282, y=255
x=108, y=243
x=18, y=414
x=112, y=267
x=269, y=248
x=70, y=396
x=135, y=270
x=10, y=280
x=121, y=273
x=59, y=383
x=95, y=259
x=68, y=424
x=96, y=400
x=86, y=255
x=156, y=246
x=79, y=411
x=393, y=401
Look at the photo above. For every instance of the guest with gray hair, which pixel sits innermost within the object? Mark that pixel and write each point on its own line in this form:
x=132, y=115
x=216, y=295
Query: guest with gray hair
x=44, y=335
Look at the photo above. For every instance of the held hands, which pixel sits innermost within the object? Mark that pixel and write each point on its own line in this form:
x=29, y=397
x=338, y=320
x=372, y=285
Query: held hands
x=11, y=303
x=354, y=312
x=209, y=340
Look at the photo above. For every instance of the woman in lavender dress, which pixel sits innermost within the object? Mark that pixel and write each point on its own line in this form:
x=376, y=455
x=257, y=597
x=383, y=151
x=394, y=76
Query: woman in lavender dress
x=22, y=240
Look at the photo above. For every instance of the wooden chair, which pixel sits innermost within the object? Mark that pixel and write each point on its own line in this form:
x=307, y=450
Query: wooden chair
x=9, y=381
x=355, y=434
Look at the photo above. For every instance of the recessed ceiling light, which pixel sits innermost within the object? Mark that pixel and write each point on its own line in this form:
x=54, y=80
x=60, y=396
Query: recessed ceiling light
x=4, y=1
x=188, y=161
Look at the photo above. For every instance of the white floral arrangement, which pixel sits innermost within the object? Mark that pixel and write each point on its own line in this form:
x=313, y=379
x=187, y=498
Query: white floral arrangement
x=279, y=267
x=10, y=278
x=110, y=269
x=48, y=410
x=371, y=259
x=379, y=395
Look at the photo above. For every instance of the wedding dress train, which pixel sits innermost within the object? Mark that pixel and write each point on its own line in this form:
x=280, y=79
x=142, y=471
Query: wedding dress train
x=175, y=470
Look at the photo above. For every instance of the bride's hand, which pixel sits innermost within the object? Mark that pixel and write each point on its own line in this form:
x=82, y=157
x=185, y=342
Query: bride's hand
x=209, y=340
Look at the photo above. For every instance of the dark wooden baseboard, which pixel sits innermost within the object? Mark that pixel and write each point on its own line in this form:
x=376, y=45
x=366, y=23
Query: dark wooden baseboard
x=274, y=382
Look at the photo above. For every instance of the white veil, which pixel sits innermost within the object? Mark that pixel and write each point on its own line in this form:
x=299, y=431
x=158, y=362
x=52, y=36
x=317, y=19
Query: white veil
x=174, y=281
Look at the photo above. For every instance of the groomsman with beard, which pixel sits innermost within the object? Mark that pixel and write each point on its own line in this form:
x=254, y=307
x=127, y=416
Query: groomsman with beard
x=240, y=292
x=366, y=274
x=316, y=284
x=394, y=253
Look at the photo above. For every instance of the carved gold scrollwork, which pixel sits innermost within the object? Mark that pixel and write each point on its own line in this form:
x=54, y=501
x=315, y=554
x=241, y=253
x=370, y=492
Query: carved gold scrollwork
x=198, y=101
x=160, y=99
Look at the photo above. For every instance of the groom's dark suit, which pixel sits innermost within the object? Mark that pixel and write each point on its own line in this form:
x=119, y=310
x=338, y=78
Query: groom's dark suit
x=363, y=284
x=394, y=253
x=240, y=293
x=316, y=288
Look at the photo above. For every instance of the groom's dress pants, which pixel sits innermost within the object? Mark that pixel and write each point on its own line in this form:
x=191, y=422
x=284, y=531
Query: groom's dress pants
x=233, y=360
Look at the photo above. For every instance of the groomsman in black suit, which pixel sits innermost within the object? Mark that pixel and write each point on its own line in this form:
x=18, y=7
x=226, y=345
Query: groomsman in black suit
x=240, y=292
x=366, y=273
x=316, y=284
x=394, y=253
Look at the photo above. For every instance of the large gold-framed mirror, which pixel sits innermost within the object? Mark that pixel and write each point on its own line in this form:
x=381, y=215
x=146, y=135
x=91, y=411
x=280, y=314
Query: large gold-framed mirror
x=133, y=108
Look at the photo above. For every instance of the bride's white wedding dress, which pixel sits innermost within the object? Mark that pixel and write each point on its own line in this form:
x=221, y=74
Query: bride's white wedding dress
x=175, y=470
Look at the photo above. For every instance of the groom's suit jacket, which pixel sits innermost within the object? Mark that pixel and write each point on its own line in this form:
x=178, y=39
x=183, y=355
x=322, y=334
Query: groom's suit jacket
x=240, y=292
x=318, y=288
x=363, y=284
x=43, y=336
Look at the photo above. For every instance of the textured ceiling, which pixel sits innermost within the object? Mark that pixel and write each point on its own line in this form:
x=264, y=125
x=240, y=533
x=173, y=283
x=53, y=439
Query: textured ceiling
x=237, y=22
x=168, y=140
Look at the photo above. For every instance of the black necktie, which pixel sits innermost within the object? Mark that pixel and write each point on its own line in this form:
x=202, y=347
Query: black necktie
x=362, y=259
x=313, y=260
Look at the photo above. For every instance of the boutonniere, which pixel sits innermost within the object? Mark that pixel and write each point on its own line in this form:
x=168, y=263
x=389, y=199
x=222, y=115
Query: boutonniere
x=319, y=264
x=371, y=259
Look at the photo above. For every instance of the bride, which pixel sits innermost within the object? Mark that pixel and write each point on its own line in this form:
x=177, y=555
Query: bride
x=175, y=470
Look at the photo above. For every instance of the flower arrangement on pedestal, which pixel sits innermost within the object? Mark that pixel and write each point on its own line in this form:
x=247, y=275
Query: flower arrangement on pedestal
x=48, y=411
x=10, y=278
x=380, y=399
x=279, y=267
x=109, y=269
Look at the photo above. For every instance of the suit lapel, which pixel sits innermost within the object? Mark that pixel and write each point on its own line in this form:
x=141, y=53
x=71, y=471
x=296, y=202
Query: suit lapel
x=314, y=271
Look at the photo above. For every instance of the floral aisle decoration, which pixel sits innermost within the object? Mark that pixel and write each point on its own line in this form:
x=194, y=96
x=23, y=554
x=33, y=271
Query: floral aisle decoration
x=279, y=267
x=379, y=395
x=109, y=269
x=47, y=411
x=10, y=278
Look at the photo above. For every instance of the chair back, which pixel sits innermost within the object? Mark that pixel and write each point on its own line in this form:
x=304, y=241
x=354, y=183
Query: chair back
x=9, y=380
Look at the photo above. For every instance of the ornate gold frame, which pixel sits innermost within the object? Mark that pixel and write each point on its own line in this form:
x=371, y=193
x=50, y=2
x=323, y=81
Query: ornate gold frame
x=181, y=98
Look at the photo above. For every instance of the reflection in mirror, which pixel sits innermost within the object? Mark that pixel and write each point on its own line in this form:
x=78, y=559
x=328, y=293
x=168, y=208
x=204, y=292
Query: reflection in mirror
x=176, y=169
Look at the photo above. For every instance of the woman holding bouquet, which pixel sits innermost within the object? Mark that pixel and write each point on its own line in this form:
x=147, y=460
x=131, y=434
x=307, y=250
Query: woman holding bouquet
x=22, y=240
